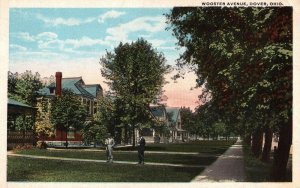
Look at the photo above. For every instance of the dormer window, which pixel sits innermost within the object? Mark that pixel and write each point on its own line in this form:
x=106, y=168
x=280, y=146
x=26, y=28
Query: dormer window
x=51, y=90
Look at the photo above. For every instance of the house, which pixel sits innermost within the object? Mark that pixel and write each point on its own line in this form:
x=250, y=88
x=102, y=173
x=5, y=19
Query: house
x=169, y=128
x=175, y=124
x=17, y=109
x=160, y=132
x=88, y=94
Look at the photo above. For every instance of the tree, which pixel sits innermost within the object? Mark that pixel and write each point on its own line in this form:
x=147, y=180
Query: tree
x=244, y=60
x=22, y=87
x=67, y=112
x=135, y=74
x=95, y=132
x=12, y=82
x=188, y=120
x=43, y=126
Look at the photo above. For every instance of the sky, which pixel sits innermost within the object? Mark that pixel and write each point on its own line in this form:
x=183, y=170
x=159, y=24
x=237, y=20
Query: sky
x=72, y=41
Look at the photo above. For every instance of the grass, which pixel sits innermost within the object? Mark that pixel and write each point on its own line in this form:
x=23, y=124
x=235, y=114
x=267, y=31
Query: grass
x=123, y=156
x=35, y=170
x=258, y=171
x=24, y=169
x=203, y=146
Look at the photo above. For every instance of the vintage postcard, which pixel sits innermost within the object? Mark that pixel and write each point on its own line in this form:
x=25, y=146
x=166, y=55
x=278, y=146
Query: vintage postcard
x=139, y=93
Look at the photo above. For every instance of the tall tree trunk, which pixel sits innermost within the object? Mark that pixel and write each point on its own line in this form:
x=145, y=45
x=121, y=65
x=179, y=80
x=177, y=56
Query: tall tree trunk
x=126, y=134
x=257, y=142
x=282, y=155
x=67, y=138
x=133, y=136
x=268, y=144
x=247, y=139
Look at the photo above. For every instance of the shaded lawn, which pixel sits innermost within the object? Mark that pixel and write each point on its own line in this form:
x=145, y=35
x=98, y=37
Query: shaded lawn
x=123, y=156
x=203, y=146
x=258, y=171
x=24, y=169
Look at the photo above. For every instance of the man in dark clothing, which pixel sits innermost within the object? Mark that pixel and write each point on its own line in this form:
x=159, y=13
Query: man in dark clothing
x=141, y=149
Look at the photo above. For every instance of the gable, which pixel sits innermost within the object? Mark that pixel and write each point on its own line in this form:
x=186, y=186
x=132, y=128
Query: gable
x=174, y=112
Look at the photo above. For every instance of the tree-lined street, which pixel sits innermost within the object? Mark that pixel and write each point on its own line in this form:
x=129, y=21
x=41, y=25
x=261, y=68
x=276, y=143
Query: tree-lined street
x=242, y=58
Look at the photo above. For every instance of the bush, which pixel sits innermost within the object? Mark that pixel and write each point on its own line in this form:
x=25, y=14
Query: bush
x=23, y=147
x=41, y=145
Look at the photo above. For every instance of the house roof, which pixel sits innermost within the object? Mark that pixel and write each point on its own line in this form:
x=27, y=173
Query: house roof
x=92, y=89
x=75, y=84
x=44, y=91
x=174, y=112
x=157, y=111
x=17, y=103
x=16, y=107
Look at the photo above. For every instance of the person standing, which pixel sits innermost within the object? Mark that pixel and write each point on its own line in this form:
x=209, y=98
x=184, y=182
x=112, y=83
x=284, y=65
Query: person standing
x=109, y=142
x=141, y=149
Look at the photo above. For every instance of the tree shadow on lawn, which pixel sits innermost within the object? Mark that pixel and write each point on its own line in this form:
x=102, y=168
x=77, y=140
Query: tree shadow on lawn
x=181, y=159
x=217, y=150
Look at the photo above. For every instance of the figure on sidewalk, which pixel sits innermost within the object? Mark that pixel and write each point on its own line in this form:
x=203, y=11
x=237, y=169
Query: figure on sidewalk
x=141, y=149
x=109, y=143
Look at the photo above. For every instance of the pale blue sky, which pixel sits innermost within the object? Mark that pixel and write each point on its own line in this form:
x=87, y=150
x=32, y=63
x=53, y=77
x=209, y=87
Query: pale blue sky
x=72, y=41
x=71, y=33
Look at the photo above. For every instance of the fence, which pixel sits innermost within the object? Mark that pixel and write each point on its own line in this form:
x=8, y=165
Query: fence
x=20, y=138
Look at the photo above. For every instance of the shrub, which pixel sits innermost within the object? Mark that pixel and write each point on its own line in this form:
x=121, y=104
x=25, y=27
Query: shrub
x=41, y=145
x=23, y=147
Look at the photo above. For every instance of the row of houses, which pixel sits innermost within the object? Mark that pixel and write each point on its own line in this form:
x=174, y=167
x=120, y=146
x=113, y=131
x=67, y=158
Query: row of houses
x=89, y=95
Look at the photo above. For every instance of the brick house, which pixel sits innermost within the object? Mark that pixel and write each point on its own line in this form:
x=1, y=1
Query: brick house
x=88, y=94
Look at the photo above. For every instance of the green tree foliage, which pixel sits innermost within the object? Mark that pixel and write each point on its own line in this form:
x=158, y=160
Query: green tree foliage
x=103, y=123
x=244, y=60
x=94, y=132
x=12, y=82
x=188, y=120
x=67, y=112
x=135, y=74
x=22, y=87
x=43, y=126
x=22, y=123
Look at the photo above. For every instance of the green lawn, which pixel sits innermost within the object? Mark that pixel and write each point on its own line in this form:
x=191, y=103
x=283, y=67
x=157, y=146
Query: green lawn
x=203, y=146
x=24, y=169
x=123, y=156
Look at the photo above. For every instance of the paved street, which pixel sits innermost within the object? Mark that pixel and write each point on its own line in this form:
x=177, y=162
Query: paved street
x=227, y=168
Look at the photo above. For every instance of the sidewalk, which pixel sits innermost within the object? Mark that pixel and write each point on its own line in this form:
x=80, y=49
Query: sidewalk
x=102, y=161
x=229, y=167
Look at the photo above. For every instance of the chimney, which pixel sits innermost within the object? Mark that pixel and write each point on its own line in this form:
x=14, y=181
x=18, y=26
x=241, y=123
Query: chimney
x=58, y=76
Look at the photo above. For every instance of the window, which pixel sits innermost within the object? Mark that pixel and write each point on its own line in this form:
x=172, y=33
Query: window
x=71, y=134
x=88, y=106
x=95, y=107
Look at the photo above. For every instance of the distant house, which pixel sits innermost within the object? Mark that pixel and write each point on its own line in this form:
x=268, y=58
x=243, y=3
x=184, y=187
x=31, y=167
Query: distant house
x=158, y=132
x=175, y=124
x=88, y=94
x=170, y=128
